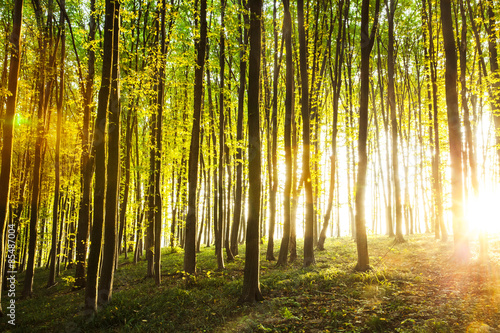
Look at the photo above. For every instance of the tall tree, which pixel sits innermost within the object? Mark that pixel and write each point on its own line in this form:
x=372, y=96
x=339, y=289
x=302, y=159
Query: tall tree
x=44, y=89
x=251, y=280
x=86, y=162
x=306, y=168
x=113, y=171
x=462, y=251
x=200, y=44
x=366, y=43
x=391, y=59
x=57, y=176
x=243, y=40
x=91, y=290
x=8, y=131
x=289, y=95
x=336, y=79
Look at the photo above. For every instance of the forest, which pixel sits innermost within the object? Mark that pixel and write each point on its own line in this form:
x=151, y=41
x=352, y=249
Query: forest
x=249, y=163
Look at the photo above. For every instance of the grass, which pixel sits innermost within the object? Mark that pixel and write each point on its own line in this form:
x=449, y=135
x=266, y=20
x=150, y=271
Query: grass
x=413, y=287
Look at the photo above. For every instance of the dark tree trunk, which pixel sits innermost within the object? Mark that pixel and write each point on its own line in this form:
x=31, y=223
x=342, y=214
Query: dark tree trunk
x=287, y=34
x=55, y=207
x=391, y=9
x=462, y=251
x=200, y=44
x=100, y=163
x=251, y=284
x=8, y=134
x=220, y=182
x=366, y=47
x=239, y=134
x=113, y=172
x=306, y=168
x=336, y=78
x=42, y=101
x=87, y=164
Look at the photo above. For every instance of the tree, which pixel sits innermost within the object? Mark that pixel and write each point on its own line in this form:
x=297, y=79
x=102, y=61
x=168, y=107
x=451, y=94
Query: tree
x=251, y=283
x=366, y=44
x=462, y=251
x=112, y=171
x=336, y=79
x=57, y=182
x=190, y=245
x=91, y=290
x=306, y=168
x=44, y=89
x=86, y=162
x=287, y=35
x=391, y=9
x=8, y=131
x=243, y=40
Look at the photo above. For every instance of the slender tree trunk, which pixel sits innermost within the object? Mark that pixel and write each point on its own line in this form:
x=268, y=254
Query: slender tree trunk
x=336, y=79
x=200, y=44
x=289, y=95
x=91, y=292
x=251, y=284
x=366, y=47
x=220, y=182
x=113, y=171
x=87, y=163
x=462, y=251
x=306, y=168
x=243, y=40
x=55, y=209
x=35, y=193
x=394, y=123
x=8, y=137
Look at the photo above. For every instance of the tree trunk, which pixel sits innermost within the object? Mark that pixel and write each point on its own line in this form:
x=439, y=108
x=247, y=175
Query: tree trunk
x=200, y=44
x=113, y=172
x=289, y=95
x=100, y=160
x=42, y=100
x=87, y=163
x=394, y=123
x=8, y=136
x=220, y=182
x=462, y=251
x=366, y=47
x=251, y=284
x=243, y=40
x=306, y=168
x=55, y=209
x=336, y=78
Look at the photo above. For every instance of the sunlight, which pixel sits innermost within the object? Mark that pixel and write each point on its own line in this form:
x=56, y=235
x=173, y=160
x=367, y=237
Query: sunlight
x=481, y=212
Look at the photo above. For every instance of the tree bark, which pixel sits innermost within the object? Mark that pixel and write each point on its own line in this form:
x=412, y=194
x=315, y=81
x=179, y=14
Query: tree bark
x=8, y=135
x=366, y=47
x=239, y=133
x=113, y=171
x=336, y=78
x=306, y=168
x=87, y=163
x=462, y=251
x=200, y=44
x=100, y=160
x=55, y=208
x=251, y=284
x=289, y=95
x=391, y=9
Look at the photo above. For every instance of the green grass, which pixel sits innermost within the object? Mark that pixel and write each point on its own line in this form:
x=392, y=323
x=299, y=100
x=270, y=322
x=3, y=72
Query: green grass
x=413, y=287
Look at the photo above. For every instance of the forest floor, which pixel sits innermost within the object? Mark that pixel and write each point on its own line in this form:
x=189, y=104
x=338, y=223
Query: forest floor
x=415, y=286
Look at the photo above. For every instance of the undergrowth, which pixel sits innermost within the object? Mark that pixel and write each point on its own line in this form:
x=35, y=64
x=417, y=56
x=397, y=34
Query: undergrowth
x=412, y=287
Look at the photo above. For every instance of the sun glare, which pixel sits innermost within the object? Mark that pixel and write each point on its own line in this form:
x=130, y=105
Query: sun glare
x=482, y=214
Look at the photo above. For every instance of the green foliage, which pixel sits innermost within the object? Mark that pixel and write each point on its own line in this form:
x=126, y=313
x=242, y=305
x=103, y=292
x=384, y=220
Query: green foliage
x=404, y=293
